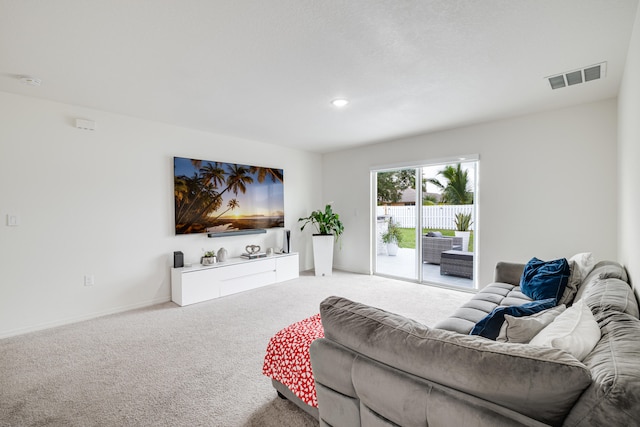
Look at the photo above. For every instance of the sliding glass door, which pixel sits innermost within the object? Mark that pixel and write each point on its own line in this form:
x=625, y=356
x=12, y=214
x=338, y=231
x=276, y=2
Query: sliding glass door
x=397, y=223
x=425, y=222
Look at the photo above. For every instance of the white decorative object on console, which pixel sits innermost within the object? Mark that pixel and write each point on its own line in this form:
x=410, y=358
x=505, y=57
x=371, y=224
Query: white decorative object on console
x=222, y=255
x=199, y=283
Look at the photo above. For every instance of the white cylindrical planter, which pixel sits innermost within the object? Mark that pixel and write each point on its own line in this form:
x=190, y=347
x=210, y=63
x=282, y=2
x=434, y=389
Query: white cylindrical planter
x=323, y=254
x=465, y=239
x=392, y=249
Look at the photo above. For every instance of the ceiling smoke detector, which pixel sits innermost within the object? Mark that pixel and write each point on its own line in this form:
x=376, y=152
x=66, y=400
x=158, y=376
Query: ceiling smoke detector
x=31, y=81
x=574, y=77
x=340, y=102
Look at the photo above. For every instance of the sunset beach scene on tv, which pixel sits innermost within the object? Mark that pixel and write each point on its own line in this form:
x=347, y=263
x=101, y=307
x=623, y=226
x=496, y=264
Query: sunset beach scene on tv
x=215, y=197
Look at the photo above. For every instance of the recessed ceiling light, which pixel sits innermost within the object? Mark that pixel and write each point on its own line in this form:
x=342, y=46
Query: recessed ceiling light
x=31, y=81
x=340, y=102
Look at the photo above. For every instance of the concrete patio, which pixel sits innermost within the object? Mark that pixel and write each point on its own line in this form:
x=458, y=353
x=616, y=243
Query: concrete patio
x=403, y=265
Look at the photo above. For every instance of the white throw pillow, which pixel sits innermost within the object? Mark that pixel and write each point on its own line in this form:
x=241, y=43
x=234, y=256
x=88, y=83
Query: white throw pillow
x=575, y=331
x=584, y=262
x=574, y=282
x=522, y=329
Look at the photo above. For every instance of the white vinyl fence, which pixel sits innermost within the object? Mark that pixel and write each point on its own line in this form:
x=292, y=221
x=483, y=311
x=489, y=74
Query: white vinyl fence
x=438, y=216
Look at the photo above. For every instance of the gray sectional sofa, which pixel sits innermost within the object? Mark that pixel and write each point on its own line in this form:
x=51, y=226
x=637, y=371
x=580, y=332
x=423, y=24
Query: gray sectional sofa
x=376, y=368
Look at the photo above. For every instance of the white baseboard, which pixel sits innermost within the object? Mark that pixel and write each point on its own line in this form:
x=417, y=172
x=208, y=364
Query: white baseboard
x=351, y=270
x=89, y=316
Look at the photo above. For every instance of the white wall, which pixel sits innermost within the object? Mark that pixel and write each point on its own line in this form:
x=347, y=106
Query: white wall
x=101, y=203
x=547, y=185
x=629, y=160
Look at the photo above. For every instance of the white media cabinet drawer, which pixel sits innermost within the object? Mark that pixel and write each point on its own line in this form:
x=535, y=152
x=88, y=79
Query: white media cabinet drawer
x=245, y=283
x=248, y=268
x=190, y=285
x=194, y=287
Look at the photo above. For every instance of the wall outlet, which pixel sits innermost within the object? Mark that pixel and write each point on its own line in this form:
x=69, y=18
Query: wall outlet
x=89, y=280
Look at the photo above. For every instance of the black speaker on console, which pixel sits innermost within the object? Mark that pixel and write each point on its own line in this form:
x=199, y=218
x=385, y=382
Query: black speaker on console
x=178, y=259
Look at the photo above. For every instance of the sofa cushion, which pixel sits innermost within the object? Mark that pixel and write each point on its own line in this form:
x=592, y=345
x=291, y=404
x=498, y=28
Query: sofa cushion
x=330, y=362
x=575, y=331
x=489, y=327
x=613, y=398
x=611, y=295
x=406, y=400
x=602, y=271
x=545, y=279
x=522, y=329
x=501, y=373
x=483, y=303
x=434, y=234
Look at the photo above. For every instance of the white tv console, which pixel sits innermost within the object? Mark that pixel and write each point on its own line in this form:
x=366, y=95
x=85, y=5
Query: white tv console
x=198, y=283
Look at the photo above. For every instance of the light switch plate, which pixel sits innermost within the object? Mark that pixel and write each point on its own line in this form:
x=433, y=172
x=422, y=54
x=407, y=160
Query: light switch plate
x=13, y=220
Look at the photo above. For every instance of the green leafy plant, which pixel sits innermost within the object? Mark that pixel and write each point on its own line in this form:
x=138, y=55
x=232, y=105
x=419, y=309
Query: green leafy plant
x=455, y=189
x=209, y=254
x=326, y=222
x=463, y=221
x=393, y=234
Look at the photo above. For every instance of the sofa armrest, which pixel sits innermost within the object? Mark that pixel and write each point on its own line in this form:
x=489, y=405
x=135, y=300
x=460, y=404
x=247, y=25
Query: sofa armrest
x=509, y=272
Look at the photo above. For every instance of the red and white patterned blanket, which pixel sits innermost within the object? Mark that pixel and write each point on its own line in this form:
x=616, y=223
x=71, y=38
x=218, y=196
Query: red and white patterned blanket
x=287, y=359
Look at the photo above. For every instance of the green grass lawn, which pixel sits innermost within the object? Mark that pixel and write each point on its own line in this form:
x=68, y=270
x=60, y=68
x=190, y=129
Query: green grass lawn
x=409, y=239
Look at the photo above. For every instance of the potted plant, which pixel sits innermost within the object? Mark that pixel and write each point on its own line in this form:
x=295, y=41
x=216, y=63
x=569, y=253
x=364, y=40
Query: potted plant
x=463, y=222
x=329, y=228
x=208, y=258
x=392, y=237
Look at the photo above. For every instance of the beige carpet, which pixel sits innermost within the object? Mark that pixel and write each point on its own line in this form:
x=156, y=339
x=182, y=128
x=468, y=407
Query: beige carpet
x=199, y=365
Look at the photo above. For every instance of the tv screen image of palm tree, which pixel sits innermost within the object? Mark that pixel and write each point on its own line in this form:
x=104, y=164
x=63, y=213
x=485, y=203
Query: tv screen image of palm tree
x=215, y=196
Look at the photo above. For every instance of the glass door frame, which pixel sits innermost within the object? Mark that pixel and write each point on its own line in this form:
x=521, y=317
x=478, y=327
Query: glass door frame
x=417, y=277
x=418, y=166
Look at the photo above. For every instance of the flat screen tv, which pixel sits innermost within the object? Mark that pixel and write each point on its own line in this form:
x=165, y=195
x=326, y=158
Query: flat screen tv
x=218, y=197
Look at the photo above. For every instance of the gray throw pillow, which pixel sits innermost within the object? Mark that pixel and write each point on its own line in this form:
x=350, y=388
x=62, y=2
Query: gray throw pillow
x=434, y=234
x=575, y=279
x=523, y=329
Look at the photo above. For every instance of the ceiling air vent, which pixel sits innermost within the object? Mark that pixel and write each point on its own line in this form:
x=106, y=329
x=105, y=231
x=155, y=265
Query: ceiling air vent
x=592, y=73
x=574, y=78
x=570, y=78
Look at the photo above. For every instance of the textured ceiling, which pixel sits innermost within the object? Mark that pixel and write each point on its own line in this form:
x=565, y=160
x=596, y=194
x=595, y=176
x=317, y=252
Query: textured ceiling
x=267, y=70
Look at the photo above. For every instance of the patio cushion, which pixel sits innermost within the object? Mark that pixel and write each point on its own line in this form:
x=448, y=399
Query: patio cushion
x=461, y=255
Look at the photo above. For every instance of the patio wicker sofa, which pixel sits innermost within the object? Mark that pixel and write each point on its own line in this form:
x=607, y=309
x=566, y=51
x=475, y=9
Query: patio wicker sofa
x=434, y=243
